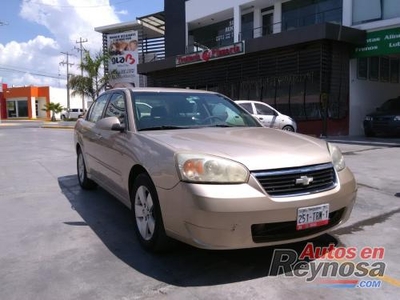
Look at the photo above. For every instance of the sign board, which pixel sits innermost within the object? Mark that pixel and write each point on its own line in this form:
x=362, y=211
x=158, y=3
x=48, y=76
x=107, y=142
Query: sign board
x=124, y=58
x=381, y=42
x=210, y=54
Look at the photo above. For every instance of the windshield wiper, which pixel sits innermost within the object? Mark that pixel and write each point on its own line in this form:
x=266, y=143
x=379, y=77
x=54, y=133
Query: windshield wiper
x=164, y=127
x=221, y=125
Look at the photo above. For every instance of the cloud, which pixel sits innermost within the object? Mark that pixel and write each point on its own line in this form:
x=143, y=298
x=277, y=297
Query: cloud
x=122, y=12
x=67, y=21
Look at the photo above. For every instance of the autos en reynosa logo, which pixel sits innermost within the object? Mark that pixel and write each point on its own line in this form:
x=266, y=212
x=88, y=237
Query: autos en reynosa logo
x=329, y=262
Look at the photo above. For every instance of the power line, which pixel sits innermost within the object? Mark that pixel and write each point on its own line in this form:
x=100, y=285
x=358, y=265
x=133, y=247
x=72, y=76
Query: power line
x=14, y=69
x=83, y=6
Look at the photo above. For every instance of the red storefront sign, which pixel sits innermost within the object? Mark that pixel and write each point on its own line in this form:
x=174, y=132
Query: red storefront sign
x=210, y=54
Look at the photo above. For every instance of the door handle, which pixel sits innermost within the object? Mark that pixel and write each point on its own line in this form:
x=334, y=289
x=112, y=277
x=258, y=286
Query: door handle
x=260, y=118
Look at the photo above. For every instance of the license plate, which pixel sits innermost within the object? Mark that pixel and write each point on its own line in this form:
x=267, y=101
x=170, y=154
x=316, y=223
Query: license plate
x=312, y=216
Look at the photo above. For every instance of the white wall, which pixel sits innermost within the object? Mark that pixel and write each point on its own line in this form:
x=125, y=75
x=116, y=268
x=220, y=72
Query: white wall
x=59, y=95
x=196, y=9
x=365, y=96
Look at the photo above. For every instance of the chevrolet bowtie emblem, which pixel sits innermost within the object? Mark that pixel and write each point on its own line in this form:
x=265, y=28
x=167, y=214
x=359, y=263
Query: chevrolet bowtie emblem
x=304, y=180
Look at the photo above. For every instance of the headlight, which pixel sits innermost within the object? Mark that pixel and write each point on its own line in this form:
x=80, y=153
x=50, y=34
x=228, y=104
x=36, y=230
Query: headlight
x=368, y=118
x=212, y=169
x=337, y=157
x=397, y=118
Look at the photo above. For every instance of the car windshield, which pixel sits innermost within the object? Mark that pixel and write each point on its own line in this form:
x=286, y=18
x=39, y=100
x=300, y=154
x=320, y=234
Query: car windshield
x=391, y=105
x=178, y=110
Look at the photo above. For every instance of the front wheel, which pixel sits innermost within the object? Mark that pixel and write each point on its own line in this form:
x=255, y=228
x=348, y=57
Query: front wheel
x=84, y=181
x=147, y=216
x=288, y=128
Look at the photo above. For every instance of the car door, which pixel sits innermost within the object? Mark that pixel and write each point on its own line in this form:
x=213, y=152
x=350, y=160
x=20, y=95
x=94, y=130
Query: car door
x=266, y=115
x=90, y=136
x=111, y=146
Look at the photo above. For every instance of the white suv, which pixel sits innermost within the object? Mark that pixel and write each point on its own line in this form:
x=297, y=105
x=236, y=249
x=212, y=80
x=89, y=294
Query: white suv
x=268, y=116
x=74, y=113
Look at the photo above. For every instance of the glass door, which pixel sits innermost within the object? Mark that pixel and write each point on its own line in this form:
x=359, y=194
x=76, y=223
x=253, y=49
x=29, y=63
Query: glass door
x=268, y=23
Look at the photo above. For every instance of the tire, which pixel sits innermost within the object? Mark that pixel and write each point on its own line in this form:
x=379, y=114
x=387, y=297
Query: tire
x=84, y=181
x=288, y=128
x=147, y=218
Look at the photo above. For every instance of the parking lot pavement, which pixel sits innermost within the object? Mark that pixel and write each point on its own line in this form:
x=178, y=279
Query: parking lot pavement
x=4, y=124
x=59, y=242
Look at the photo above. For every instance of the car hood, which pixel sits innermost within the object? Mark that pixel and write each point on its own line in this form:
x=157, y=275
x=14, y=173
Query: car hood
x=256, y=148
x=384, y=113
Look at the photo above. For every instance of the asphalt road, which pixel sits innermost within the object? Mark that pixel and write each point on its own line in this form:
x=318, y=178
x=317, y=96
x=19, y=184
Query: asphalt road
x=59, y=242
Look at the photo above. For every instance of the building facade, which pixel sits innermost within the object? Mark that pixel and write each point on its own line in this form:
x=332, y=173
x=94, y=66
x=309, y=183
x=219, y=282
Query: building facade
x=28, y=102
x=302, y=57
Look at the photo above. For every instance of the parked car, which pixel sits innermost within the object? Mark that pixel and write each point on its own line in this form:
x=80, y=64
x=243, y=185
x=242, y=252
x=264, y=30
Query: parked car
x=202, y=170
x=268, y=115
x=385, y=120
x=73, y=113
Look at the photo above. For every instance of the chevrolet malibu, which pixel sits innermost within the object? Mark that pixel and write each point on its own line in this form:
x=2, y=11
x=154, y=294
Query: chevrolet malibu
x=196, y=167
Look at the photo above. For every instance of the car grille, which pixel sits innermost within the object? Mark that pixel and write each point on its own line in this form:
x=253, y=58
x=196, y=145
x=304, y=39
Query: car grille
x=281, y=231
x=297, y=181
x=381, y=121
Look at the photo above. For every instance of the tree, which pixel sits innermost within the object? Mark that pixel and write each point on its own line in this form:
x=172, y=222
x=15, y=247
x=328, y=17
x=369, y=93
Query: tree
x=91, y=83
x=54, y=108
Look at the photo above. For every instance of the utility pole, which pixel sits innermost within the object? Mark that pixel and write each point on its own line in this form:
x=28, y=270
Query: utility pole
x=68, y=64
x=80, y=49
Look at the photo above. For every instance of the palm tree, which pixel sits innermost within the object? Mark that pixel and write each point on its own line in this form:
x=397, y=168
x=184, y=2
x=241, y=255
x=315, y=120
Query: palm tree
x=54, y=108
x=92, y=83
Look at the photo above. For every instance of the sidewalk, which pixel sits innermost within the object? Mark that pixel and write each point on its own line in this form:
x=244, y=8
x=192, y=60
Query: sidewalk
x=348, y=144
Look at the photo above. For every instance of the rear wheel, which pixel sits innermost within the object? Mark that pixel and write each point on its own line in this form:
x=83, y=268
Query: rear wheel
x=288, y=128
x=147, y=216
x=84, y=181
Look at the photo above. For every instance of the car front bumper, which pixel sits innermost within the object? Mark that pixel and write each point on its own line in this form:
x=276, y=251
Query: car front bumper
x=388, y=127
x=238, y=216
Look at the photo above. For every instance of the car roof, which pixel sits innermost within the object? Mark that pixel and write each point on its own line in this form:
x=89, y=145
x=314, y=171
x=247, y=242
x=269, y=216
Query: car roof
x=163, y=89
x=253, y=101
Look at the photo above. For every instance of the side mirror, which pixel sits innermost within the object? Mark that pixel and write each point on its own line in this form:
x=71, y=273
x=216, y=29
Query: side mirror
x=118, y=127
x=110, y=123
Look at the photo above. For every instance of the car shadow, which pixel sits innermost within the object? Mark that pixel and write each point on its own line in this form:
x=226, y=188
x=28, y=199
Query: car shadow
x=183, y=265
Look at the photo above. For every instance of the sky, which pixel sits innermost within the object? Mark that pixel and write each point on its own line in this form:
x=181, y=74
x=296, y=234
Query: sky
x=33, y=33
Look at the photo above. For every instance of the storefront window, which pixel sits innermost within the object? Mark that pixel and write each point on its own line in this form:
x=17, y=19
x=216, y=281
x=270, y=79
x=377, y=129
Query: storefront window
x=384, y=69
x=394, y=70
x=374, y=68
x=362, y=68
x=17, y=109
x=22, y=109
x=11, y=109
